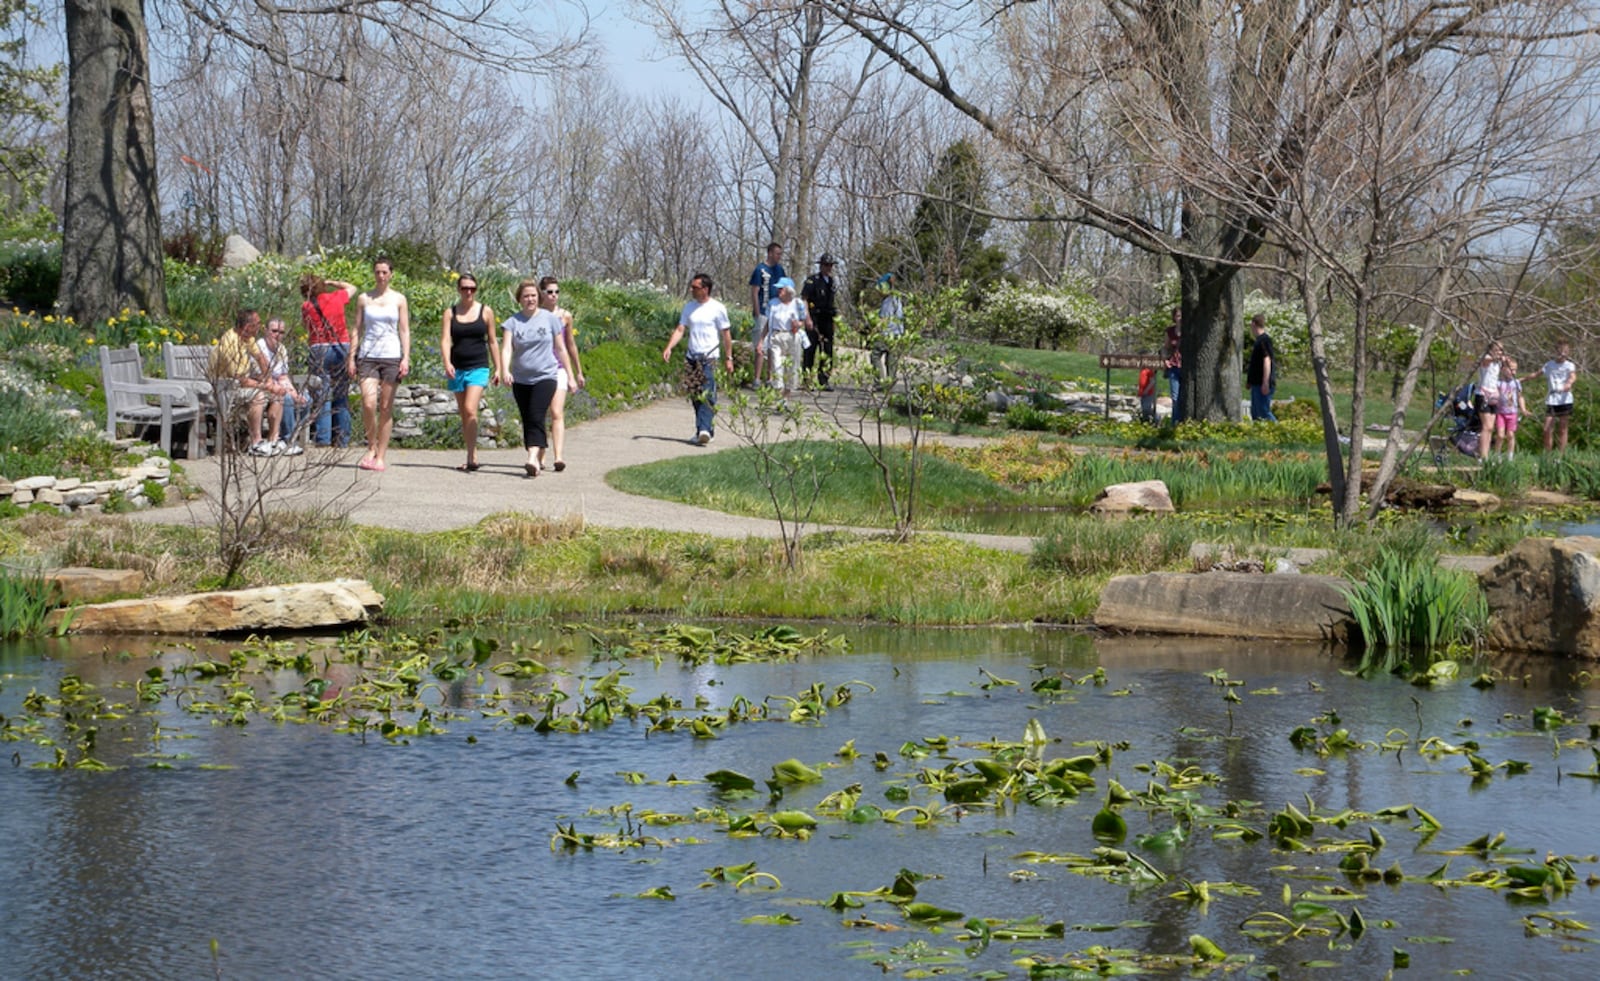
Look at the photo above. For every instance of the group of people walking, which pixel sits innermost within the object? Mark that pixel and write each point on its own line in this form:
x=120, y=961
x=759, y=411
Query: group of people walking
x=534, y=352
x=793, y=330
x=792, y=336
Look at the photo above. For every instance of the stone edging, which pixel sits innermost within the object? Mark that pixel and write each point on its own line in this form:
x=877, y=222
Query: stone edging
x=71, y=495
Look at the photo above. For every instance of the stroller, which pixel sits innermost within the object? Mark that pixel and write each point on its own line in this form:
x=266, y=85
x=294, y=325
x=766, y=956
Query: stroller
x=1461, y=421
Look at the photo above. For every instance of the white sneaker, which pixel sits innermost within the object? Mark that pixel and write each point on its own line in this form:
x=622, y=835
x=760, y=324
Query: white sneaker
x=702, y=437
x=263, y=448
x=293, y=449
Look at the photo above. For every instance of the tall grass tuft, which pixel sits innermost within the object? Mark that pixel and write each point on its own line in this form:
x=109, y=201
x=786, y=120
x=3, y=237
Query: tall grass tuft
x=1090, y=546
x=25, y=601
x=1406, y=604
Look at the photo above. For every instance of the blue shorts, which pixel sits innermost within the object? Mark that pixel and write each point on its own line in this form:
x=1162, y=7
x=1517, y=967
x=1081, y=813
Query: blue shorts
x=468, y=378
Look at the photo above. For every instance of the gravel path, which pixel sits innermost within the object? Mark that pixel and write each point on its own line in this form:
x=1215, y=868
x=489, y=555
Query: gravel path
x=422, y=491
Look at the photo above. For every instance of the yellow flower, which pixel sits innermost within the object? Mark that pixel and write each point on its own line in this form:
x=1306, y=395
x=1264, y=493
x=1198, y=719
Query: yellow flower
x=49, y=318
x=89, y=340
x=111, y=321
x=69, y=320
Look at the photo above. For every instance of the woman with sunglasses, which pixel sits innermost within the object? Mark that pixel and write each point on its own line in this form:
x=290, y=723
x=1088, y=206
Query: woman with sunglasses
x=471, y=355
x=550, y=299
x=530, y=355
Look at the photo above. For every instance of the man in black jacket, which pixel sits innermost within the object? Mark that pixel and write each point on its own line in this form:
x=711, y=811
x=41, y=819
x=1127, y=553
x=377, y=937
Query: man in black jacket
x=818, y=293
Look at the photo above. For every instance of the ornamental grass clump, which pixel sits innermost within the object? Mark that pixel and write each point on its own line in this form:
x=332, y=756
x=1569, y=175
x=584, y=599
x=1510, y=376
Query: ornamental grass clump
x=1407, y=605
x=25, y=601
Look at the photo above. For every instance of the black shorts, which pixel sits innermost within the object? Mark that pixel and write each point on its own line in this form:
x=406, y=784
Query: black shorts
x=1554, y=411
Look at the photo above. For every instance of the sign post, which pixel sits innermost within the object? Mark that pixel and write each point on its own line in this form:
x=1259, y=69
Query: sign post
x=1126, y=361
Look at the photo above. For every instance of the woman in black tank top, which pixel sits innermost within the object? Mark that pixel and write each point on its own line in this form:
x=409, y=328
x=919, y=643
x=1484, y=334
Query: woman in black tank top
x=471, y=357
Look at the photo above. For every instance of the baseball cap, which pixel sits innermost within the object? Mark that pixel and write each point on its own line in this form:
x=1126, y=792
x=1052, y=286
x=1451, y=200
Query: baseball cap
x=784, y=284
x=826, y=259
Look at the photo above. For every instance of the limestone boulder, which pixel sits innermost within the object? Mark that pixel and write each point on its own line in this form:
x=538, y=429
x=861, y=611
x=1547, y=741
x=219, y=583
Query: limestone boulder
x=1143, y=495
x=300, y=606
x=1544, y=596
x=1482, y=500
x=1227, y=604
x=80, y=585
x=237, y=252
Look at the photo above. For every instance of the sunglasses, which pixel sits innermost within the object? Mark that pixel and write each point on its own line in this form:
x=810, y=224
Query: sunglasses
x=552, y=292
x=467, y=289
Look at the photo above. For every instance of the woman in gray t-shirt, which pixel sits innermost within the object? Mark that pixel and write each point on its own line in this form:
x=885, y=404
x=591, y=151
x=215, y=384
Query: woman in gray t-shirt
x=529, y=352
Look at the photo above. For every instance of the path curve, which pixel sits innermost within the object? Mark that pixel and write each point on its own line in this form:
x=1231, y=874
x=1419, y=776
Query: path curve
x=422, y=491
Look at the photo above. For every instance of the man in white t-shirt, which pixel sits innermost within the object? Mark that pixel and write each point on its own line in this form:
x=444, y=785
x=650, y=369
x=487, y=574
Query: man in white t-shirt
x=706, y=322
x=1559, y=373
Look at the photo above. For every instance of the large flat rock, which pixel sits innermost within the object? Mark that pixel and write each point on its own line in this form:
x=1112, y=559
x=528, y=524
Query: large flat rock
x=300, y=606
x=1227, y=604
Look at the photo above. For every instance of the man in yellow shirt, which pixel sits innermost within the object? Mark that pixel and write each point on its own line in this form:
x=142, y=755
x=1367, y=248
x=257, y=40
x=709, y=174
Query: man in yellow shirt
x=239, y=362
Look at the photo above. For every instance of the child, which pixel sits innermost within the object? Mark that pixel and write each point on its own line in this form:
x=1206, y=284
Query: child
x=1147, y=395
x=1509, y=408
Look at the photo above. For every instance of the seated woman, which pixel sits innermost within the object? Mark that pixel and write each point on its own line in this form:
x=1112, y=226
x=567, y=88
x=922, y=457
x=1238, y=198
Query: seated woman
x=285, y=399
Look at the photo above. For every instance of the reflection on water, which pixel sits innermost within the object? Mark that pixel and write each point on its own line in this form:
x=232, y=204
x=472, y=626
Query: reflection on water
x=303, y=852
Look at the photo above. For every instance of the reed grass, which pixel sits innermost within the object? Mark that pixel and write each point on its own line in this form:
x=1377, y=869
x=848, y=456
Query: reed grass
x=1406, y=604
x=25, y=602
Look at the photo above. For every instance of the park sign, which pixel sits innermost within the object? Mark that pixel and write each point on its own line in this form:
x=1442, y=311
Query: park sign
x=1110, y=361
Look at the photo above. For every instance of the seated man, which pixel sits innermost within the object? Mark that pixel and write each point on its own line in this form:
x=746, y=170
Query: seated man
x=281, y=390
x=239, y=362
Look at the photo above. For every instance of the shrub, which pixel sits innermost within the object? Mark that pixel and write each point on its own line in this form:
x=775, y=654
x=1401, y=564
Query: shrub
x=622, y=374
x=1034, y=315
x=30, y=273
x=29, y=424
x=194, y=248
x=413, y=257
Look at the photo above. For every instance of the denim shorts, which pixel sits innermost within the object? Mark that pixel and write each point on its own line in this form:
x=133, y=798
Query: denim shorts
x=469, y=377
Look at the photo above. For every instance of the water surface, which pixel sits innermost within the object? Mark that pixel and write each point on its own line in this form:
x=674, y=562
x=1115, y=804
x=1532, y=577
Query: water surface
x=300, y=851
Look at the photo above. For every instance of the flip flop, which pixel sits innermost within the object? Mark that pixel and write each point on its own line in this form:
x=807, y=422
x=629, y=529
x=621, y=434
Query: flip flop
x=560, y=465
x=531, y=469
x=468, y=468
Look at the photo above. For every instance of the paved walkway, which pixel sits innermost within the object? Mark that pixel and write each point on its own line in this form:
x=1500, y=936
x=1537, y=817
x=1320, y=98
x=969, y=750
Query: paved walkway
x=422, y=491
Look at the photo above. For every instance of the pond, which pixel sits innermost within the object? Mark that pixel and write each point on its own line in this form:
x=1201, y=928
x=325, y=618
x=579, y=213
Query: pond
x=539, y=806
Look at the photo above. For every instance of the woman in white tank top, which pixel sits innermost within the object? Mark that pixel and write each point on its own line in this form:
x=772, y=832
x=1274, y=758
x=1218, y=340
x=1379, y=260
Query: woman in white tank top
x=380, y=355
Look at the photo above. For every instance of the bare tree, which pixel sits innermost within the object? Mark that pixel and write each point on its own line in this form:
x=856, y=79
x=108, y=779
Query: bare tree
x=784, y=71
x=1205, y=98
x=1425, y=198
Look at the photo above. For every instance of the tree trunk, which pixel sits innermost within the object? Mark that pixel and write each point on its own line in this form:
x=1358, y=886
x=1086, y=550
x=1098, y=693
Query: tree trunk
x=1213, y=299
x=111, y=226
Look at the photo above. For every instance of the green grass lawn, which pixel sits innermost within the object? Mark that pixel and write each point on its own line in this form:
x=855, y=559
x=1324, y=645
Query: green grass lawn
x=1081, y=368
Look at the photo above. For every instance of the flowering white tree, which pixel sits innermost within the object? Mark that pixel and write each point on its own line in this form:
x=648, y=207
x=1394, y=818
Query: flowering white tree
x=1034, y=315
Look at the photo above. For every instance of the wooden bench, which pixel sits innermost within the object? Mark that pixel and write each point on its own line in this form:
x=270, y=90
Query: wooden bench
x=190, y=366
x=129, y=396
